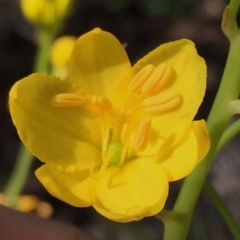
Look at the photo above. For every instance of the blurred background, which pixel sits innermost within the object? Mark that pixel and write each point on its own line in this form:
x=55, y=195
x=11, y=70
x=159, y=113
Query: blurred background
x=142, y=25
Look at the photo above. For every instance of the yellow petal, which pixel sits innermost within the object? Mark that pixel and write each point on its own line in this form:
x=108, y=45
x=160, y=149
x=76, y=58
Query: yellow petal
x=180, y=160
x=53, y=134
x=98, y=62
x=112, y=216
x=71, y=188
x=188, y=81
x=135, y=190
x=203, y=139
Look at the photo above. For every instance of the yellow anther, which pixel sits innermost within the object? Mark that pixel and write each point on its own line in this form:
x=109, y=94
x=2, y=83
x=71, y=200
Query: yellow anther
x=141, y=138
x=137, y=82
x=161, y=103
x=102, y=103
x=68, y=100
x=158, y=79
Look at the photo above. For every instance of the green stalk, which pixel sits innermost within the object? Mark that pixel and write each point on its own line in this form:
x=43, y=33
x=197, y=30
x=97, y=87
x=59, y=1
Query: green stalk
x=229, y=133
x=44, y=47
x=222, y=209
x=24, y=160
x=18, y=176
x=233, y=7
x=217, y=123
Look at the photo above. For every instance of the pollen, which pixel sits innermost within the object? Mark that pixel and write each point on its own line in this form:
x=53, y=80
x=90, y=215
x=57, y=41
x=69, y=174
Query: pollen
x=68, y=100
x=161, y=103
x=141, y=137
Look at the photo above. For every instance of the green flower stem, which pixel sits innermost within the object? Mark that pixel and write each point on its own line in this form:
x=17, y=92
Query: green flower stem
x=217, y=123
x=233, y=10
x=18, y=176
x=222, y=209
x=229, y=133
x=44, y=47
x=24, y=159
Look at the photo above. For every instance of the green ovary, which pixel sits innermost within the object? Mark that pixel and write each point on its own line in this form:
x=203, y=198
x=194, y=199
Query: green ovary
x=117, y=148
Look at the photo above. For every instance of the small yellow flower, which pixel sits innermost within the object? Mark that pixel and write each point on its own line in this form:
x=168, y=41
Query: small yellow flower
x=112, y=136
x=45, y=13
x=60, y=55
x=61, y=50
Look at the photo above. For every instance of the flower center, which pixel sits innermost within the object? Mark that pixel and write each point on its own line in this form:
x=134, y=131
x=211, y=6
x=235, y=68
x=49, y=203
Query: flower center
x=127, y=131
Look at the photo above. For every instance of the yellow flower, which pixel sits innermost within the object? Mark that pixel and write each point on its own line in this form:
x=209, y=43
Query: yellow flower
x=45, y=13
x=60, y=55
x=61, y=50
x=112, y=136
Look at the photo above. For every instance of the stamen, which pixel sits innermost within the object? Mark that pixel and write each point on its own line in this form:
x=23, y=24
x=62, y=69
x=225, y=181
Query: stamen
x=105, y=104
x=106, y=160
x=123, y=135
x=68, y=100
x=141, y=137
x=161, y=103
x=158, y=79
x=113, y=156
x=105, y=137
x=124, y=152
x=102, y=103
x=137, y=82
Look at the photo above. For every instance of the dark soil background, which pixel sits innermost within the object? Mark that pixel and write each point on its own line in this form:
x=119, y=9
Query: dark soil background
x=143, y=25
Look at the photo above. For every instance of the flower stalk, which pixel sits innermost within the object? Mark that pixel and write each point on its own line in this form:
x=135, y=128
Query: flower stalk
x=229, y=133
x=217, y=123
x=45, y=41
x=24, y=159
x=222, y=209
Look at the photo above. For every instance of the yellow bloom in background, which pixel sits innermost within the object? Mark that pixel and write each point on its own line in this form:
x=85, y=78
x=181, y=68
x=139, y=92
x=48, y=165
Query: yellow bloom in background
x=61, y=50
x=30, y=203
x=113, y=136
x=60, y=55
x=45, y=13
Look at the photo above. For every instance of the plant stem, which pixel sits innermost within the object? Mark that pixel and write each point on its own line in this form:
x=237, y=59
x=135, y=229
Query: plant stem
x=217, y=123
x=43, y=51
x=222, y=209
x=233, y=10
x=19, y=175
x=229, y=133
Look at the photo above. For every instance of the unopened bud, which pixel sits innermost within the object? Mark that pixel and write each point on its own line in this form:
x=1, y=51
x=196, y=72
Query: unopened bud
x=45, y=13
